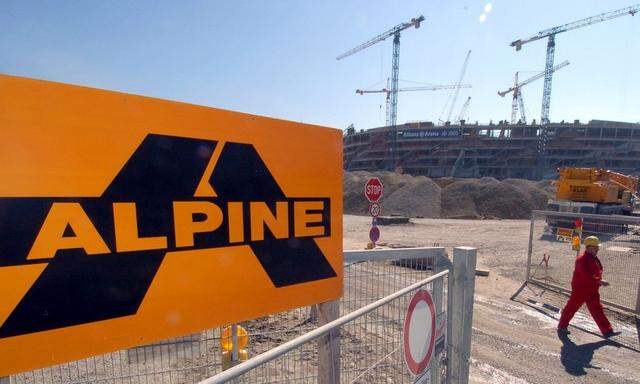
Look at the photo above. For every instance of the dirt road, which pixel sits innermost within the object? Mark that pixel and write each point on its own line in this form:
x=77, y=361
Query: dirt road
x=513, y=342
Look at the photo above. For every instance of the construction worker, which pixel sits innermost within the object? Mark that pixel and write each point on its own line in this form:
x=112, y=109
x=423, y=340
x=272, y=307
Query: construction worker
x=585, y=284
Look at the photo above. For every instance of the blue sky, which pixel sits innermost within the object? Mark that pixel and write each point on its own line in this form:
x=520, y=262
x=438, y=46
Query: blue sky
x=277, y=58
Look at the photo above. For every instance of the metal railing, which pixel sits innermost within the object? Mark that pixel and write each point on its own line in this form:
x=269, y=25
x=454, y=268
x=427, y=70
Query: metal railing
x=550, y=259
x=368, y=277
x=389, y=360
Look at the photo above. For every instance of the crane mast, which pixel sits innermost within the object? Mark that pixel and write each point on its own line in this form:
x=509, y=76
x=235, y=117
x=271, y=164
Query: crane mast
x=514, y=101
x=523, y=117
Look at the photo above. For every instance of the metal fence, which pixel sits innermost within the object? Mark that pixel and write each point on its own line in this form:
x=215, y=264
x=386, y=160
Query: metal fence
x=369, y=344
x=377, y=327
x=551, y=258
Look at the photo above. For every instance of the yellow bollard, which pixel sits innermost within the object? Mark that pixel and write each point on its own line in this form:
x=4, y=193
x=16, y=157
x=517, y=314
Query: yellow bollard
x=227, y=363
x=229, y=342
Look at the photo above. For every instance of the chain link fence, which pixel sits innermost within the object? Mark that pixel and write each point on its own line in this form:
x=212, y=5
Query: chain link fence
x=369, y=344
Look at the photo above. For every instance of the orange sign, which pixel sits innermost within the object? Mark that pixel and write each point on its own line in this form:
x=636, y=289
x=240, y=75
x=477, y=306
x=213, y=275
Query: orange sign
x=564, y=232
x=126, y=220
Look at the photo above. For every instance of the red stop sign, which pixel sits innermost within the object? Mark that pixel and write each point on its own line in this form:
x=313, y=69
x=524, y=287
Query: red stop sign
x=373, y=189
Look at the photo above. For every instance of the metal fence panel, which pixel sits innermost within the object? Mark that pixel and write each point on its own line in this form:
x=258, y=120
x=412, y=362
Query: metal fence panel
x=369, y=344
x=551, y=258
x=371, y=347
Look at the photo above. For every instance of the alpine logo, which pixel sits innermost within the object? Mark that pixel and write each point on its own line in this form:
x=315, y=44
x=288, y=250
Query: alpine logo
x=173, y=194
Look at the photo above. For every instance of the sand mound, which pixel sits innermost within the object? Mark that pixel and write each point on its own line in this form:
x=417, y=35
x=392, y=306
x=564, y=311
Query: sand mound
x=403, y=194
x=539, y=196
x=487, y=198
x=418, y=197
x=548, y=185
x=354, y=200
x=445, y=181
x=448, y=197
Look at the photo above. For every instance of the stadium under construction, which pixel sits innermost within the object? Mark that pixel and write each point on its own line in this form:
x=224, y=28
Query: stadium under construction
x=500, y=150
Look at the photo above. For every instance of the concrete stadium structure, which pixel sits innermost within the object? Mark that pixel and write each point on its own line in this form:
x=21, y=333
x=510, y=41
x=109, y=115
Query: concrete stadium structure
x=500, y=150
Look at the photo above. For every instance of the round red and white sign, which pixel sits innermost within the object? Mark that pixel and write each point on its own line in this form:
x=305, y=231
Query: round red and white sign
x=419, y=333
x=373, y=189
x=375, y=209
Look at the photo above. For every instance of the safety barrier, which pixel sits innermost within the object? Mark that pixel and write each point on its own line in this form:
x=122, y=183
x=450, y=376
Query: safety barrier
x=550, y=257
x=377, y=287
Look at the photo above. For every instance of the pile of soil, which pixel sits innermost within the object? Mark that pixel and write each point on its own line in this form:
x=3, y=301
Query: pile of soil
x=485, y=198
x=547, y=185
x=540, y=192
x=448, y=197
x=404, y=195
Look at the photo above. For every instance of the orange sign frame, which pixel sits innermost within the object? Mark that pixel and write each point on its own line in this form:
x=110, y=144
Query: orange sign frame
x=126, y=220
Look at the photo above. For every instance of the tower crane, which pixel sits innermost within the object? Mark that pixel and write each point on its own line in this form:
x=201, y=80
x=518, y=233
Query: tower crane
x=551, y=45
x=548, y=73
x=395, y=62
x=409, y=89
x=517, y=92
x=395, y=71
x=464, y=110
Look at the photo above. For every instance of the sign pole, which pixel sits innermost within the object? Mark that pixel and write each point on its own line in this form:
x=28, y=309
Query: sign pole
x=234, y=341
x=373, y=192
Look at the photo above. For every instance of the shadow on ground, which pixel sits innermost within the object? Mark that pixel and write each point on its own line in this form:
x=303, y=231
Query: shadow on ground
x=549, y=303
x=576, y=358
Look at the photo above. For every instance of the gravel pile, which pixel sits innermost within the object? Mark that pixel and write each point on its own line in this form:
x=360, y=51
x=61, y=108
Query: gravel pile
x=404, y=195
x=447, y=197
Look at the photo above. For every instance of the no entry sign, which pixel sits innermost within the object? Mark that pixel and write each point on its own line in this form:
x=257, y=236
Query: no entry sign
x=419, y=332
x=373, y=189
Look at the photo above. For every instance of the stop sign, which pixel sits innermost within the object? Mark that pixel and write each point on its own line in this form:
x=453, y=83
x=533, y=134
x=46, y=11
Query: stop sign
x=373, y=189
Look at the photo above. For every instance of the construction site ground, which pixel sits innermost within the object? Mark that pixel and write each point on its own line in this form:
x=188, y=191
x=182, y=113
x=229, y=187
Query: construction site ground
x=514, y=341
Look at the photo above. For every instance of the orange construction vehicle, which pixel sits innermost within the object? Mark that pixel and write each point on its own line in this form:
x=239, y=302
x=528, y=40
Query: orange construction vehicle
x=594, y=190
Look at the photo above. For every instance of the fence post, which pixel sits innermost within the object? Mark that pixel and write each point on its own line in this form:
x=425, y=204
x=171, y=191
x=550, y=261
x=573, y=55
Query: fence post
x=440, y=264
x=638, y=300
x=460, y=313
x=329, y=345
x=530, y=248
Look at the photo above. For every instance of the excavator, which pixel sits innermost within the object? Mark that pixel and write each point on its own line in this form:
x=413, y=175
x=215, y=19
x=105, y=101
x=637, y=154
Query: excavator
x=592, y=191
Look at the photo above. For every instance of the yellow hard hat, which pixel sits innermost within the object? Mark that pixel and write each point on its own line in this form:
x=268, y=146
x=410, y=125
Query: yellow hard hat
x=591, y=241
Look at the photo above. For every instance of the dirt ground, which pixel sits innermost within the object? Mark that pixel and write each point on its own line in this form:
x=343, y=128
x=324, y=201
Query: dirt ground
x=514, y=341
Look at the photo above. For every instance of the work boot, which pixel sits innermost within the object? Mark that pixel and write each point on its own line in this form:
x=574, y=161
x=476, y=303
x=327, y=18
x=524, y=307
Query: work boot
x=563, y=331
x=611, y=334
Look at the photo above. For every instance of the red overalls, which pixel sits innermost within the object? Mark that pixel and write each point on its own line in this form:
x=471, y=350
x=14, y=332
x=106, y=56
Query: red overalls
x=584, y=289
